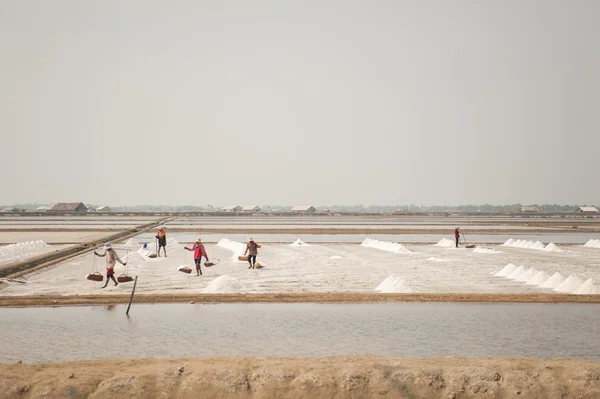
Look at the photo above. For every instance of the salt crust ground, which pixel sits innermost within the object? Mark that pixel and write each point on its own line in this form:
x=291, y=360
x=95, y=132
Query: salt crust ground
x=336, y=377
x=319, y=268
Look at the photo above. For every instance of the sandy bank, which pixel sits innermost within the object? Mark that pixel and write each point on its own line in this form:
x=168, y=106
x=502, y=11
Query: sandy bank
x=62, y=300
x=338, y=377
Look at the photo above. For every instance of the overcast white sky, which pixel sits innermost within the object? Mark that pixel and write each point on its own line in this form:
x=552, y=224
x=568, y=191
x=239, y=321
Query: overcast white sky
x=300, y=102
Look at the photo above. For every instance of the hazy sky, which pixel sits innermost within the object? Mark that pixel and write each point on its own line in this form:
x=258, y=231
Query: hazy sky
x=300, y=102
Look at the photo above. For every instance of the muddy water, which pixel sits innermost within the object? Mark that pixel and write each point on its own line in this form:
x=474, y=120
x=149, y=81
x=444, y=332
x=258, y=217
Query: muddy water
x=300, y=330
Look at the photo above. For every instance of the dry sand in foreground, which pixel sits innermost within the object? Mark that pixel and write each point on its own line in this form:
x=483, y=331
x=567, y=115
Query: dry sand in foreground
x=337, y=377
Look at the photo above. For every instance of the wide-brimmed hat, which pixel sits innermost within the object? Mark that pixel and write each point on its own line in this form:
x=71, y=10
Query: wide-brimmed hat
x=198, y=239
x=250, y=239
x=107, y=246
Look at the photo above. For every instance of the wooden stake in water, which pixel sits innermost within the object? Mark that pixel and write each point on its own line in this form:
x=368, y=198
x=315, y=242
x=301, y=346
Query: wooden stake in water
x=132, y=292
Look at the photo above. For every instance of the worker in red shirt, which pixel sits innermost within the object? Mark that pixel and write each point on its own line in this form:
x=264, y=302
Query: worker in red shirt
x=457, y=236
x=199, y=252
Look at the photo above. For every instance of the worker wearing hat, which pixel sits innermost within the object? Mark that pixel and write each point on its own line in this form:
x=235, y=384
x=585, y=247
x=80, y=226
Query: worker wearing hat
x=252, y=250
x=457, y=235
x=111, y=260
x=199, y=252
x=161, y=237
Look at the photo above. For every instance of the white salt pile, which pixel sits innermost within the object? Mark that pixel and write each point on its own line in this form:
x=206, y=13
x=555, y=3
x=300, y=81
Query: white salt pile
x=516, y=273
x=486, y=251
x=592, y=243
x=299, y=243
x=223, y=284
x=21, y=250
x=552, y=247
x=446, y=243
x=570, y=284
x=234, y=246
x=527, y=275
x=134, y=259
x=506, y=270
x=589, y=287
x=537, y=245
x=385, y=246
x=538, y=279
x=172, y=242
x=434, y=259
x=394, y=284
x=553, y=281
x=132, y=241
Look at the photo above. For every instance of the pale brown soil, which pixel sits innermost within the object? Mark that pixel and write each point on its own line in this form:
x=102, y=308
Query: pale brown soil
x=59, y=300
x=336, y=377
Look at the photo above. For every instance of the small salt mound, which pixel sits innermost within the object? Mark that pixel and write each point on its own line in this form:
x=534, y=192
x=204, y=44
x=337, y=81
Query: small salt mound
x=134, y=259
x=509, y=243
x=527, y=275
x=552, y=247
x=234, y=246
x=172, y=242
x=506, y=270
x=223, y=284
x=486, y=251
x=385, y=246
x=299, y=243
x=446, y=243
x=538, y=245
x=554, y=281
x=132, y=241
x=539, y=278
x=394, y=284
x=589, y=287
x=570, y=284
x=516, y=273
x=592, y=243
x=434, y=259
x=143, y=251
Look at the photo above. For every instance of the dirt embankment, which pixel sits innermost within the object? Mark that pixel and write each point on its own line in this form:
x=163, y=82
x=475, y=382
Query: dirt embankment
x=337, y=377
x=62, y=300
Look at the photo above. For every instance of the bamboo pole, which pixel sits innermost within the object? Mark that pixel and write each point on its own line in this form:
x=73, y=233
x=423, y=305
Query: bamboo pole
x=131, y=298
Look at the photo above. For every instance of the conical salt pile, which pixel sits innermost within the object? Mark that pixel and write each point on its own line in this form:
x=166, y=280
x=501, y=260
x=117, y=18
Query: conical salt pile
x=539, y=278
x=506, y=270
x=514, y=275
x=570, y=284
x=552, y=247
x=527, y=274
x=509, y=243
x=554, y=281
x=589, y=287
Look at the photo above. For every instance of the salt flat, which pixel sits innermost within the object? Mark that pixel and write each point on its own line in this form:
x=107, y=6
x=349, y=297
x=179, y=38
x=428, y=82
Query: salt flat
x=319, y=268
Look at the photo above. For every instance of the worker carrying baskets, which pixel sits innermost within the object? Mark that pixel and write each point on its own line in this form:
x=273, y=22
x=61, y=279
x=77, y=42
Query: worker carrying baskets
x=111, y=260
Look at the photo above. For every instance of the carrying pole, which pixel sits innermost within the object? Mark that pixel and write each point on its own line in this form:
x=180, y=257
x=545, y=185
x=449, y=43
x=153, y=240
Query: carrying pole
x=132, y=292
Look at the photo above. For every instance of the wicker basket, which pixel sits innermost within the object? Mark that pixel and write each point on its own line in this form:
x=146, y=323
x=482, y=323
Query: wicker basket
x=257, y=266
x=208, y=264
x=185, y=269
x=95, y=276
x=470, y=246
x=124, y=278
x=152, y=256
x=243, y=258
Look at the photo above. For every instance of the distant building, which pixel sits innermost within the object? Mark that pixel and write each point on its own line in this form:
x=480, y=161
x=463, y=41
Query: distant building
x=251, y=208
x=304, y=209
x=69, y=207
x=529, y=209
x=231, y=208
x=103, y=208
x=587, y=209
